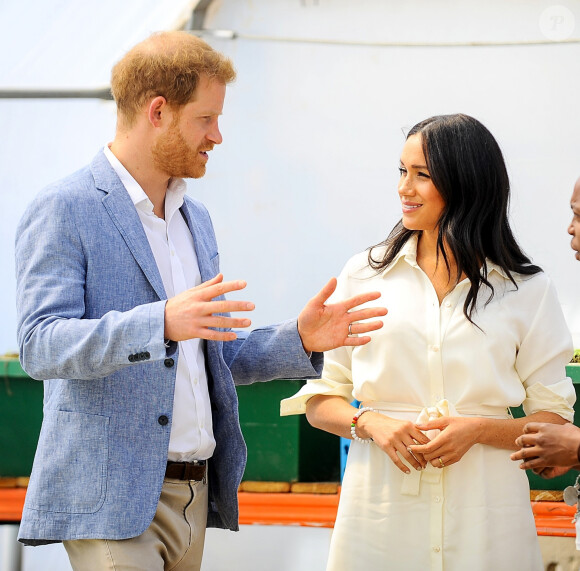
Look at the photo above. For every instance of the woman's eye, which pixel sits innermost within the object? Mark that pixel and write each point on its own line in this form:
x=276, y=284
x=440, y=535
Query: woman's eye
x=402, y=171
x=424, y=174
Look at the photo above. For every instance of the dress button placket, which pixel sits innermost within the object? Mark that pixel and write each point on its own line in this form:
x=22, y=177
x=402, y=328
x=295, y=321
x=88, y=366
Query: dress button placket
x=435, y=326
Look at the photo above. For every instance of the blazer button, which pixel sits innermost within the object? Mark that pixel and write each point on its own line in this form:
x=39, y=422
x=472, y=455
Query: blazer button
x=131, y=358
x=162, y=420
x=169, y=362
x=147, y=355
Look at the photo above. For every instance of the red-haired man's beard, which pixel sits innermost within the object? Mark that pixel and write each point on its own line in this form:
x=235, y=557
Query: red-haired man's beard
x=173, y=155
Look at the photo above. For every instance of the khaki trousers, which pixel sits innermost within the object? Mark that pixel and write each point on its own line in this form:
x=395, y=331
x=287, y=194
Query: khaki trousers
x=173, y=542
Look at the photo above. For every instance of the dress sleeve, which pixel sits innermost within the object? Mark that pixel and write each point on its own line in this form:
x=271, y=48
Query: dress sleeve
x=542, y=357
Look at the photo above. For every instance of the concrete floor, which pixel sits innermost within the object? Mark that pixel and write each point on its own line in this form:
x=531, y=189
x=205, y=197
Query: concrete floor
x=260, y=548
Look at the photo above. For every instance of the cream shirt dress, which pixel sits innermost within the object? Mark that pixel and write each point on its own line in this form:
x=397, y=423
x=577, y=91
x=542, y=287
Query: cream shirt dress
x=428, y=360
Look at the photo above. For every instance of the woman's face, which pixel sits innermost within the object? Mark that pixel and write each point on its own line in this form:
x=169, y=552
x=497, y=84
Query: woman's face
x=422, y=204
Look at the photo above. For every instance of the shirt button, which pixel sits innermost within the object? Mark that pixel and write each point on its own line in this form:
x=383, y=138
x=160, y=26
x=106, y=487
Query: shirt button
x=168, y=362
x=163, y=420
x=195, y=380
x=436, y=549
x=435, y=348
x=436, y=499
x=447, y=304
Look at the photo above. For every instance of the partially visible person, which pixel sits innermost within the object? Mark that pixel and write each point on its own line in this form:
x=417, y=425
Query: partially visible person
x=547, y=449
x=574, y=228
x=473, y=328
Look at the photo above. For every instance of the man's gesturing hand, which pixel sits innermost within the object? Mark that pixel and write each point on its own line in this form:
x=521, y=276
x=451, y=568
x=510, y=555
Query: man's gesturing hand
x=192, y=313
x=323, y=327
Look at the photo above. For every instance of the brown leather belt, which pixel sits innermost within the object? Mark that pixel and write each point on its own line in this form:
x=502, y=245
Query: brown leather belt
x=186, y=470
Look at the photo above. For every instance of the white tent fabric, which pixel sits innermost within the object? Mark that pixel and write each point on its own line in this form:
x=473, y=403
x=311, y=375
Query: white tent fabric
x=307, y=173
x=71, y=44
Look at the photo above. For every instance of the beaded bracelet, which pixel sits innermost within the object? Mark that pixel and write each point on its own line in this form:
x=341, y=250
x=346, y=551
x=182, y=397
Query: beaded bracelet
x=354, y=421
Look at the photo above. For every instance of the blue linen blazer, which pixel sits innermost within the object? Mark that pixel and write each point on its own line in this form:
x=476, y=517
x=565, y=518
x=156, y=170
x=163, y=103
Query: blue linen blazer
x=90, y=304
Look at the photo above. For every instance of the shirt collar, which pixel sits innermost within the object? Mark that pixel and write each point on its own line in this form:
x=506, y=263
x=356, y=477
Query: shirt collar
x=491, y=267
x=409, y=254
x=175, y=190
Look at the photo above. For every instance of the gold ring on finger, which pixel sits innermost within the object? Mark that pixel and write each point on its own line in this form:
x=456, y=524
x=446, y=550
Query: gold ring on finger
x=441, y=462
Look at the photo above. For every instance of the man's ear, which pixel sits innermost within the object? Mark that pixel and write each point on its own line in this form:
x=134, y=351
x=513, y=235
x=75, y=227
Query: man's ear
x=157, y=111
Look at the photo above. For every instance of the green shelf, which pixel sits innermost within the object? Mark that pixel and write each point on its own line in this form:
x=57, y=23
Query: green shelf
x=559, y=483
x=284, y=449
x=20, y=418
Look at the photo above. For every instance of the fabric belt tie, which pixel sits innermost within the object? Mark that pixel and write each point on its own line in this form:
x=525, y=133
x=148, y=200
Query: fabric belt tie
x=186, y=470
x=430, y=475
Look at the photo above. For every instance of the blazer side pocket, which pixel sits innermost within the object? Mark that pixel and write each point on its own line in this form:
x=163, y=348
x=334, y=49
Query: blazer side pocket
x=76, y=467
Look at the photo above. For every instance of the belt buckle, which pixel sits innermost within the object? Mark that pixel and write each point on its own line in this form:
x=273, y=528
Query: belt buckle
x=191, y=466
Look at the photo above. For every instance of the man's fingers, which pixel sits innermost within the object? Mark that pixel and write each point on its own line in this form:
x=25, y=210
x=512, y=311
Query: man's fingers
x=222, y=322
x=367, y=313
x=532, y=463
x=213, y=335
x=361, y=298
x=356, y=341
x=532, y=427
x=526, y=440
x=325, y=292
x=227, y=306
x=527, y=453
x=358, y=328
x=216, y=287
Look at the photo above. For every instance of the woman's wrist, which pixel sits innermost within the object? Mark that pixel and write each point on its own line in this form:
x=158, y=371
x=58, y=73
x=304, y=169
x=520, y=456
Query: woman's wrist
x=365, y=416
x=359, y=425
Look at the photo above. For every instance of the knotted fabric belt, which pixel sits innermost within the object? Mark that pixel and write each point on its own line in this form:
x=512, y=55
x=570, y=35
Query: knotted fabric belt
x=431, y=475
x=186, y=470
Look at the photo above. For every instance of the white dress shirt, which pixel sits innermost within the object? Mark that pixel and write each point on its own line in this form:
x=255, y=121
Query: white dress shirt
x=429, y=361
x=173, y=249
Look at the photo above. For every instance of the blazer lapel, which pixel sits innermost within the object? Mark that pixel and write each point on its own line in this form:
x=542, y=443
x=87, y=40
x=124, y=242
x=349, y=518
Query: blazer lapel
x=201, y=242
x=124, y=215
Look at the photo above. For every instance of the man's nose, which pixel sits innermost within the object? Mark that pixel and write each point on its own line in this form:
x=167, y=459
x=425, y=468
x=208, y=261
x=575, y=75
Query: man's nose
x=215, y=135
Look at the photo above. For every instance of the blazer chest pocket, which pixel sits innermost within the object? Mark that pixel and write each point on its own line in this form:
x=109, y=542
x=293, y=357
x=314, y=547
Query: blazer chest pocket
x=72, y=455
x=215, y=264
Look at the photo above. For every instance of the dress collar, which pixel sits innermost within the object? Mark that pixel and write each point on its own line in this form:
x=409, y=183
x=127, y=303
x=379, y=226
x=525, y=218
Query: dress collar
x=408, y=253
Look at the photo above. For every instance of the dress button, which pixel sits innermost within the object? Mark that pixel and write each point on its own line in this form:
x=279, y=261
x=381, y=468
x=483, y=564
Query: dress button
x=162, y=420
x=169, y=362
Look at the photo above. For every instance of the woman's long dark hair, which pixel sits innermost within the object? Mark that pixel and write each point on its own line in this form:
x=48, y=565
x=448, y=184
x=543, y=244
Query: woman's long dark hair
x=467, y=167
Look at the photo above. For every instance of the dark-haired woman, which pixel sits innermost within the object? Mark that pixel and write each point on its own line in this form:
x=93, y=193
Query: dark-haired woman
x=473, y=328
